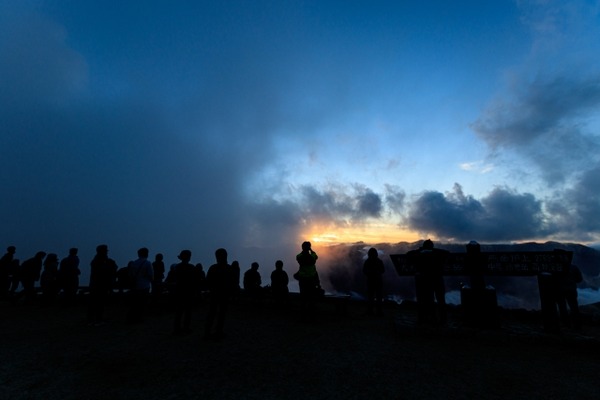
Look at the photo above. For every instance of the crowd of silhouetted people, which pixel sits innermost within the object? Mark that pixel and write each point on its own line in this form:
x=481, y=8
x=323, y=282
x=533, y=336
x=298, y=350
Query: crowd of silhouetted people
x=144, y=282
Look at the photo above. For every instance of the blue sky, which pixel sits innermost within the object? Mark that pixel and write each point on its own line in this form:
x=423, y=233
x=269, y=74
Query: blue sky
x=255, y=125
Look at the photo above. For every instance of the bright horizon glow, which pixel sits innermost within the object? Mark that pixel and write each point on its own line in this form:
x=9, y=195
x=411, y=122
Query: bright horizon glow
x=369, y=234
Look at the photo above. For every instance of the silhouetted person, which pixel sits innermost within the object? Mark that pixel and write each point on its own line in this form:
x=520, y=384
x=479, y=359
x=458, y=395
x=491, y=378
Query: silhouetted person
x=49, y=281
x=158, y=266
x=185, y=287
x=252, y=282
x=279, y=284
x=141, y=275
x=429, y=279
x=567, y=295
x=479, y=303
x=30, y=273
x=308, y=278
x=102, y=279
x=474, y=265
x=68, y=273
x=5, y=271
x=220, y=280
x=373, y=270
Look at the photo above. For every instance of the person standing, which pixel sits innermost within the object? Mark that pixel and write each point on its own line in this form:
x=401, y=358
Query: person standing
x=567, y=295
x=220, y=281
x=373, y=270
x=429, y=279
x=5, y=271
x=308, y=278
x=141, y=275
x=279, y=284
x=252, y=282
x=184, y=291
x=158, y=267
x=29, y=273
x=102, y=279
x=69, y=275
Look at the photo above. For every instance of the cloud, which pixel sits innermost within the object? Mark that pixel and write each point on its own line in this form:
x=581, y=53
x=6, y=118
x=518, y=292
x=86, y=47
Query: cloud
x=395, y=199
x=81, y=168
x=502, y=215
x=369, y=204
x=547, y=123
x=575, y=210
x=341, y=203
x=37, y=65
x=477, y=166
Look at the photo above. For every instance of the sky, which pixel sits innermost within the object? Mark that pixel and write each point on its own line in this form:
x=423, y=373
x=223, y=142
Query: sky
x=256, y=125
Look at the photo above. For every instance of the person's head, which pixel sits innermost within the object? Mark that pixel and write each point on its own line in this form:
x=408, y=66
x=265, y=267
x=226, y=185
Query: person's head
x=221, y=256
x=254, y=266
x=306, y=246
x=142, y=253
x=158, y=257
x=278, y=264
x=11, y=249
x=235, y=264
x=185, y=255
x=200, y=267
x=102, y=249
x=372, y=253
x=73, y=251
x=428, y=244
x=40, y=255
x=51, y=259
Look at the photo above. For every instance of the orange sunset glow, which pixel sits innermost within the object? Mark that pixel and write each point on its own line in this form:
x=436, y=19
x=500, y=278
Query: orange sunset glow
x=371, y=233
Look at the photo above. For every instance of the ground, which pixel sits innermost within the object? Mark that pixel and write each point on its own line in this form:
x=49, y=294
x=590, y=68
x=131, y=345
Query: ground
x=49, y=352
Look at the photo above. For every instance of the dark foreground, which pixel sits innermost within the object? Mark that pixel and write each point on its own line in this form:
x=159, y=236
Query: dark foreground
x=50, y=353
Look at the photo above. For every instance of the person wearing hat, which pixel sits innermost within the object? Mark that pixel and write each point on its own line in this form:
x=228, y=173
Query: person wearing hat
x=184, y=289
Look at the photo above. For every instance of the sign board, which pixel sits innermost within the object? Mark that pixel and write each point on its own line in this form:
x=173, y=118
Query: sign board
x=494, y=264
